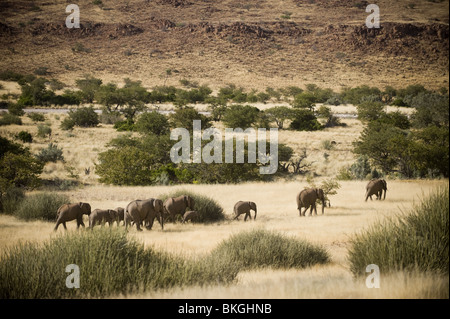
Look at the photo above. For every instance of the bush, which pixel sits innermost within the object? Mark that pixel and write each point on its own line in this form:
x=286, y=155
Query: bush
x=418, y=240
x=42, y=206
x=208, y=209
x=240, y=116
x=305, y=120
x=44, y=130
x=261, y=248
x=84, y=117
x=110, y=264
x=50, y=154
x=15, y=109
x=124, y=126
x=8, y=119
x=36, y=117
x=184, y=117
x=10, y=200
x=152, y=122
x=67, y=124
x=24, y=136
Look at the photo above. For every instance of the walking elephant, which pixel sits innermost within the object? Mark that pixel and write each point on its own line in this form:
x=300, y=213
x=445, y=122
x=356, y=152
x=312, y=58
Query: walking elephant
x=102, y=216
x=376, y=187
x=146, y=211
x=68, y=212
x=190, y=215
x=307, y=198
x=244, y=208
x=120, y=214
x=177, y=205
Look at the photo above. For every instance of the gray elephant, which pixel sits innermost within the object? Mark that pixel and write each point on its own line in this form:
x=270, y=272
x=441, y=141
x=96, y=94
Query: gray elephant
x=307, y=198
x=242, y=207
x=190, y=215
x=120, y=214
x=174, y=206
x=68, y=212
x=144, y=211
x=102, y=216
x=376, y=187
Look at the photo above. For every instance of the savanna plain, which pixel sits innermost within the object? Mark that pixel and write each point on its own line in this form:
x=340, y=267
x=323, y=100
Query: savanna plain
x=348, y=215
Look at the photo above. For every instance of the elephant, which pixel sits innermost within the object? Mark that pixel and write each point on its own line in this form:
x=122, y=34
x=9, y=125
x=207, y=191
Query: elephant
x=376, y=187
x=177, y=205
x=190, y=215
x=68, y=212
x=102, y=216
x=120, y=214
x=242, y=207
x=307, y=198
x=140, y=211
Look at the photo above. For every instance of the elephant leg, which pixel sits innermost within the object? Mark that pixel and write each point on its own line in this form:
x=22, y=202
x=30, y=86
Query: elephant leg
x=150, y=223
x=138, y=225
x=304, y=211
x=64, y=224
x=246, y=216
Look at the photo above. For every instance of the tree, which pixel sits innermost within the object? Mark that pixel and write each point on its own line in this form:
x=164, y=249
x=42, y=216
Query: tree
x=84, y=117
x=305, y=100
x=279, y=114
x=184, y=117
x=18, y=168
x=152, y=122
x=240, y=116
x=305, y=120
x=88, y=86
x=369, y=111
x=431, y=109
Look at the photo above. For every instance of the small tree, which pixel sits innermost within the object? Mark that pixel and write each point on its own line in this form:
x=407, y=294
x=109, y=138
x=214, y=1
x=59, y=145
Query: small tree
x=242, y=116
x=84, y=117
x=152, y=122
x=279, y=114
x=305, y=120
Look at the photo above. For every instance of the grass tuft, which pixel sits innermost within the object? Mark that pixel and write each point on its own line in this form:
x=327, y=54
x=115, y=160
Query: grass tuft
x=418, y=241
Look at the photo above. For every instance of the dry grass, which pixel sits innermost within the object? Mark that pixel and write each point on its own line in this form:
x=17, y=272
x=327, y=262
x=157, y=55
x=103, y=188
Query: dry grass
x=276, y=211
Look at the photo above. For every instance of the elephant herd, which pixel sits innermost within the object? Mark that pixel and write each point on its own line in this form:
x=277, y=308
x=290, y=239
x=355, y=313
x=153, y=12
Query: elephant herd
x=144, y=212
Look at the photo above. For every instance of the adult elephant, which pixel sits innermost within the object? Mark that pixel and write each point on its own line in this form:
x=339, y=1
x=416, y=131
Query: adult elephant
x=146, y=211
x=102, y=216
x=174, y=206
x=68, y=212
x=120, y=214
x=242, y=207
x=307, y=198
x=376, y=187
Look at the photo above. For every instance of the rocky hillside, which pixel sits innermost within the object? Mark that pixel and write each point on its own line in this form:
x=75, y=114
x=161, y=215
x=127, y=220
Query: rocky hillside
x=253, y=44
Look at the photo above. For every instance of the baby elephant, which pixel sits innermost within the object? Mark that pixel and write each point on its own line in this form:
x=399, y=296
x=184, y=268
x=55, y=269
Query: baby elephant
x=102, y=216
x=244, y=208
x=190, y=215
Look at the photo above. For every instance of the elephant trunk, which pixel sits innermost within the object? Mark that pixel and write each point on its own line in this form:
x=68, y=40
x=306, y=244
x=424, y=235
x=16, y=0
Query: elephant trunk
x=323, y=206
x=255, y=214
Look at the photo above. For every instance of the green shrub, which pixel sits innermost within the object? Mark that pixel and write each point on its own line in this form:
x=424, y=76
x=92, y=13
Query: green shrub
x=208, y=209
x=41, y=206
x=305, y=120
x=152, y=122
x=24, y=136
x=10, y=200
x=418, y=240
x=261, y=248
x=124, y=126
x=44, y=130
x=36, y=117
x=16, y=109
x=50, y=154
x=110, y=264
x=8, y=119
x=240, y=116
x=84, y=117
x=67, y=124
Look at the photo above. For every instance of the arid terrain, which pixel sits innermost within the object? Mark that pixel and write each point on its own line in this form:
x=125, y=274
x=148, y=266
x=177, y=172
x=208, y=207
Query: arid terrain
x=252, y=44
x=255, y=44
